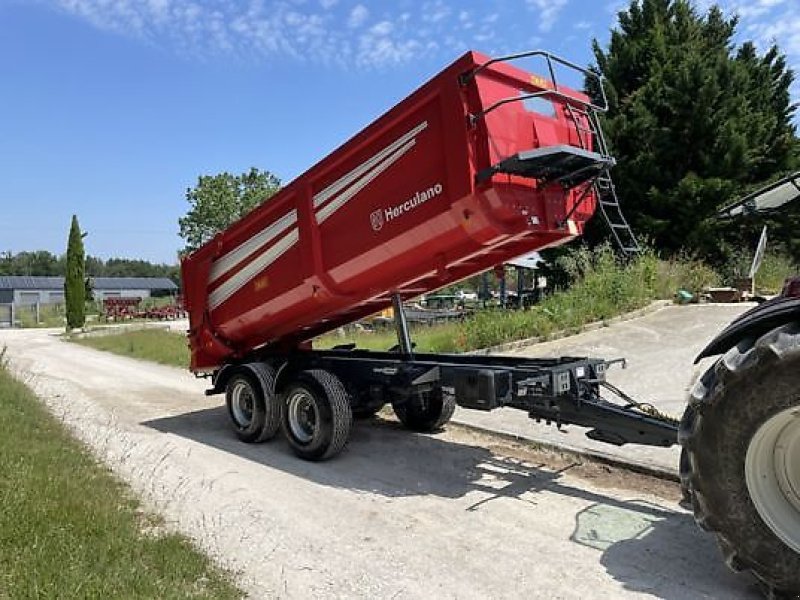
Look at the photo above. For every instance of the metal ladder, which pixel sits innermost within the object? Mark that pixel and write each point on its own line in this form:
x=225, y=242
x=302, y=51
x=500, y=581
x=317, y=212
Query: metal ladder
x=603, y=185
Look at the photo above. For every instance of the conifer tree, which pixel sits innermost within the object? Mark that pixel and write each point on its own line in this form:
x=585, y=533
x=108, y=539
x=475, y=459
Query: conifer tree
x=694, y=121
x=74, y=284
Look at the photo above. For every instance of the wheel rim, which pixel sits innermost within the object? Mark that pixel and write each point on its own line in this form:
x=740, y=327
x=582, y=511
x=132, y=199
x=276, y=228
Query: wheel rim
x=302, y=416
x=772, y=472
x=242, y=403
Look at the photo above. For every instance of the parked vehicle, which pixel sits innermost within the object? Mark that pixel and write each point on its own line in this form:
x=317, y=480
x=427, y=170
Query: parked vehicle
x=463, y=175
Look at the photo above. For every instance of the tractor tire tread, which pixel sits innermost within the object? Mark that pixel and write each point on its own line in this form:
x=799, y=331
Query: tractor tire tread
x=714, y=433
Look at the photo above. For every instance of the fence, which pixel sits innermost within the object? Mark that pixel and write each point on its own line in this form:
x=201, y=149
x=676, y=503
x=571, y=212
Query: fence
x=31, y=315
x=6, y=315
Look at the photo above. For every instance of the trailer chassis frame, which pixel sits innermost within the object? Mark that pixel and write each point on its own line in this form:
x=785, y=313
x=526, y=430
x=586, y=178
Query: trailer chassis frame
x=559, y=391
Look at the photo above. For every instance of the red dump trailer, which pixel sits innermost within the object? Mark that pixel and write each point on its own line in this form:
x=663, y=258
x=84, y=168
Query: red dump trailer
x=464, y=174
x=483, y=163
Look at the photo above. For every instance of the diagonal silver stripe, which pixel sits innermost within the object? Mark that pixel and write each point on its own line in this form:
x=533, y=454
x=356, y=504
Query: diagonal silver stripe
x=251, y=269
x=225, y=263
x=341, y=183
x=327, y=210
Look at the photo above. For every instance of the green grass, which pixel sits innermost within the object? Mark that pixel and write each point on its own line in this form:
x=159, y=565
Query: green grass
x=602, y=288
x=157, y=345
x=70, y=529
x=50, y=315
x=774, y=270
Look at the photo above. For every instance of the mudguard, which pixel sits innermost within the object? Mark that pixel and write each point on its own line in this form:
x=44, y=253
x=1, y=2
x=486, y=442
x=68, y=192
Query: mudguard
x=754, y=323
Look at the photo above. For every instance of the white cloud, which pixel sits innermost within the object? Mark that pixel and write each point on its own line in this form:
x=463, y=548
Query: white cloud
x=344, y=32
x=434, y=12
x=358, y=16
x=768, y=22
x=756, y=8
x=548, y=12
x=378, y=46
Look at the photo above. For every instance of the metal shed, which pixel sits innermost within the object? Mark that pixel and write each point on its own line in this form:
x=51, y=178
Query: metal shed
x=28, y=290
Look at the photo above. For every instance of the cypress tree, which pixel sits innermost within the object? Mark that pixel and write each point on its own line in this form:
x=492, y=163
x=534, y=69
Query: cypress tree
x=74, y=285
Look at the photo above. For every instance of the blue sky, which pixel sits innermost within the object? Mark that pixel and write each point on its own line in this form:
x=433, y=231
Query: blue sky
x=111, y=109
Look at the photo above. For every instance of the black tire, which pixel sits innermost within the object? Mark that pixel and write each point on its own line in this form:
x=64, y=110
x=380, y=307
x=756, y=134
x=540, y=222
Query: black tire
x=316, y=415
x=254, y=411
x=425, y=414
x=730, y=407
x=274, y=406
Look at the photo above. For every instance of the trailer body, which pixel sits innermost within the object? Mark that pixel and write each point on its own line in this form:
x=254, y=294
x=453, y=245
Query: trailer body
x=478, y=166
x=482, y=164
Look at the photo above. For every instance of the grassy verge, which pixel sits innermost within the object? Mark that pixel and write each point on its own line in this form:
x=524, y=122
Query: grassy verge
x=69, y=529
x=157, y=345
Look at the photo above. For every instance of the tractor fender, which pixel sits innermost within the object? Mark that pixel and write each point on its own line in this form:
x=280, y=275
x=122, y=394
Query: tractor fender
x=753, y=324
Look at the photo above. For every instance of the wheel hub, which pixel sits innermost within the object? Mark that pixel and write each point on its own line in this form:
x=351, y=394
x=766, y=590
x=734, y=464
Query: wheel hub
x=302, y=416
x=772, y=472
x=242, y=403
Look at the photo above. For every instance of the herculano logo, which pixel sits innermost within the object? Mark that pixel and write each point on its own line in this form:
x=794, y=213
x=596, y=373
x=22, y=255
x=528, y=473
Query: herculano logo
x=384, y=215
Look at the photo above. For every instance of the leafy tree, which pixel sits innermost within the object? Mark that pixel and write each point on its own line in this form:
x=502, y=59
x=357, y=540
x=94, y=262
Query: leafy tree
x=43, y=263
x=39, y=262
x=693, y=120
x=74, y=282
x=219, y=200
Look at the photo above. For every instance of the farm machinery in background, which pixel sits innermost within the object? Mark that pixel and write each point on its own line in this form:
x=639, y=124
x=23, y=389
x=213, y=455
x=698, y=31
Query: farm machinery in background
x=124, y=308
x=482, y=164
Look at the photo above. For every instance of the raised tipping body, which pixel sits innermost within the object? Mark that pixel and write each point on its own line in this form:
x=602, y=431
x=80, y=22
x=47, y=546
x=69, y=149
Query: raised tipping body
x=482, y=164
x=450, y=182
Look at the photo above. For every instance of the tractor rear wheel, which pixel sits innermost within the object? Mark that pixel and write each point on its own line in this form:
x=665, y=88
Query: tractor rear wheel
x=741, y=463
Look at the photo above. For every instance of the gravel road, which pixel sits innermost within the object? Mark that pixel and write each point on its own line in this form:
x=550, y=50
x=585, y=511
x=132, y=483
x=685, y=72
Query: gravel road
x=397, y=515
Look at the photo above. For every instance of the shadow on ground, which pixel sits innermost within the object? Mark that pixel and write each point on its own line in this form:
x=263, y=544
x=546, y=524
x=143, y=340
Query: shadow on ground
x=644, y=546
x=649, y=552
x=383, y=458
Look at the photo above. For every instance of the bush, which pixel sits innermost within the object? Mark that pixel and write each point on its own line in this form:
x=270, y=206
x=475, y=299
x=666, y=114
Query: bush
x=773, y=272
x=684, y=273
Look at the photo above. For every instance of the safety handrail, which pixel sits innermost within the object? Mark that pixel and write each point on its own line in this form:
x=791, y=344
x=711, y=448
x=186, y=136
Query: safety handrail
x=550, y=93
x=555, y=91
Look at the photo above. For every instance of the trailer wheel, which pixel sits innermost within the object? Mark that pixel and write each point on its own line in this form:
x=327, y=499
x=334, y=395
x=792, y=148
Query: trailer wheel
x=255, y=414
x=426, y=414
x=741, y=434
x=317, y=415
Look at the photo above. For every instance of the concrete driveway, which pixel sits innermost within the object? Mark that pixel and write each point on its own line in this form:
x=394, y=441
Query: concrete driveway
x=660, y=348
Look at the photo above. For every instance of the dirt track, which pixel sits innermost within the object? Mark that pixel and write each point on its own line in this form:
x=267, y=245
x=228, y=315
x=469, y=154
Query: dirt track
x=398, y=515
